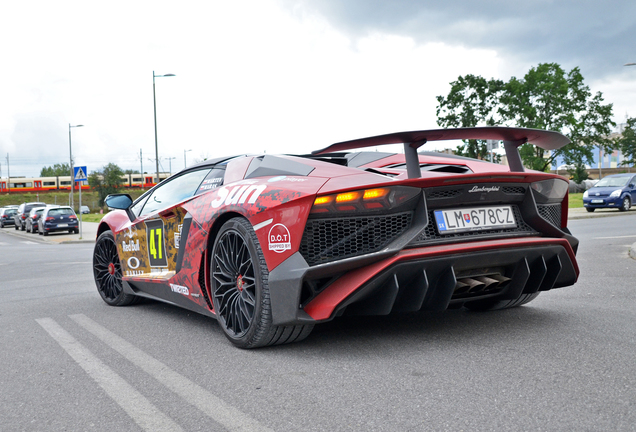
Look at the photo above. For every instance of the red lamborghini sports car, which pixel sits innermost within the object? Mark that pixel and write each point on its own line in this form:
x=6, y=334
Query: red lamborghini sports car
x=272, y=245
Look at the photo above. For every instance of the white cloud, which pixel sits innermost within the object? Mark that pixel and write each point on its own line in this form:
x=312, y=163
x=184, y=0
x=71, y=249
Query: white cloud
x=251, y=76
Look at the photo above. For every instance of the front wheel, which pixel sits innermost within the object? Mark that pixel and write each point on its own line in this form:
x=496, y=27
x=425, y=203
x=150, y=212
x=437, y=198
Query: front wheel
x=590, y=209
x=626, y=204
x=107, y=271
x=240, y=290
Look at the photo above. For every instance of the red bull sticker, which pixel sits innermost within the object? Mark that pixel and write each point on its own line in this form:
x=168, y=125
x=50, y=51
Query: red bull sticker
x=279, y=238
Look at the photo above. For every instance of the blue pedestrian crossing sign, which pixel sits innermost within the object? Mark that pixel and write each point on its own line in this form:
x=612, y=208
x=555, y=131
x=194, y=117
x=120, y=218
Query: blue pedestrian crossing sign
x=80, y=173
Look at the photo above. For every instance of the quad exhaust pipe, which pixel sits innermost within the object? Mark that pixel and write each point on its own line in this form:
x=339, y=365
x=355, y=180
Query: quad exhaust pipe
x=480, y=284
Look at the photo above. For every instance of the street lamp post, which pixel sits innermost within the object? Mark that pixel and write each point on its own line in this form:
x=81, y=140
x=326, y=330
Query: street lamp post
x=70, y=153
x=154, y=100
x=170, y=161
x=184, y=158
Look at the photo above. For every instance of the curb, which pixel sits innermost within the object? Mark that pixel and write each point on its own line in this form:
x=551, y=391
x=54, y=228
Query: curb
x=88, y=235
x=632, y=251
x=581, y=213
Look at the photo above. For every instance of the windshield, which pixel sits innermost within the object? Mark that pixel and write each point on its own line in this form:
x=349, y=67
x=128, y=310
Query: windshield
x=613, y=182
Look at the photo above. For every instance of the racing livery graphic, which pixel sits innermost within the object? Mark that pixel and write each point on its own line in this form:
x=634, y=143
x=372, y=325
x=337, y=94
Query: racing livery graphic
x=272, y=245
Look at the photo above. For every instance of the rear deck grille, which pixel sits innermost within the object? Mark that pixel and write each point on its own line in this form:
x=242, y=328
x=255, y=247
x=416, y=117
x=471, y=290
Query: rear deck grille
x=326, y=240
x=551, y=213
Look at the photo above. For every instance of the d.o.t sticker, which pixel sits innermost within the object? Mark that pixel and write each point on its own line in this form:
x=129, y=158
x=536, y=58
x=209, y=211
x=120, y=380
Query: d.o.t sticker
x=279, y=238
x=156, y=243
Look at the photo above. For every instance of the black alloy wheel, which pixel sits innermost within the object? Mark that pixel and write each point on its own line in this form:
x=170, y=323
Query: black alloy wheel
x=240, y=290
x=107, y=271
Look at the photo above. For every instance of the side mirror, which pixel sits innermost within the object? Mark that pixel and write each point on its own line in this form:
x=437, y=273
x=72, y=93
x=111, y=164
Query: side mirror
x=120, y=202
x=631, y=185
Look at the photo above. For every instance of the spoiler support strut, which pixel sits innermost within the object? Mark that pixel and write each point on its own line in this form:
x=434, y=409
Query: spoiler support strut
x=413, y=169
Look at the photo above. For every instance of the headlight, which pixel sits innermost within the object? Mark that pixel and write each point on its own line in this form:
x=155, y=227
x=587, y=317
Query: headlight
x=585, y=194
x=616, y=193
x=549, y=191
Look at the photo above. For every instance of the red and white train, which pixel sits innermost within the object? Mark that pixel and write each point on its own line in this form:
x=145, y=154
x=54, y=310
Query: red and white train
x=43, y=184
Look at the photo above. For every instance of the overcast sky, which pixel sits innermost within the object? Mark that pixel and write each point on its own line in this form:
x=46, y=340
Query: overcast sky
x=280, y=76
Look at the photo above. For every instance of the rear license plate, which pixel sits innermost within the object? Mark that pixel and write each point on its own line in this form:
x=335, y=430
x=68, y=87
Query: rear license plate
x=62, y=225
x=597, y=201
x=474, y=219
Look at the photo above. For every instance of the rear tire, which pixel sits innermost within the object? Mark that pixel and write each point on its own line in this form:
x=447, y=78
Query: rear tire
x=240, y=291
x=590, y=209
x=492, y=305
x=107, y=272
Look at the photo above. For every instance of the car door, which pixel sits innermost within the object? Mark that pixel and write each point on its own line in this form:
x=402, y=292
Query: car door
x=149, y=245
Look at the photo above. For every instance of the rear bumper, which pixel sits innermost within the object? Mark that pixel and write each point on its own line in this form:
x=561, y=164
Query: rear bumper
x=56, y=228
x=424, y=278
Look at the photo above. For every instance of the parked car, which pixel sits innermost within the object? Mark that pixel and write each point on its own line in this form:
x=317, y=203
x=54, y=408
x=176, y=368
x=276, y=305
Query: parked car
x=85, y=210
x=6, y=216
x=23, y=213
x=58, y=219
x=31, y=223
x=271, y=245
x=613, y=191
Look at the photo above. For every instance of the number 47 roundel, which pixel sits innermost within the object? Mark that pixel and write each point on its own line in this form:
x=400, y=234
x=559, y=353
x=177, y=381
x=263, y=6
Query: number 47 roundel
x=156, y=243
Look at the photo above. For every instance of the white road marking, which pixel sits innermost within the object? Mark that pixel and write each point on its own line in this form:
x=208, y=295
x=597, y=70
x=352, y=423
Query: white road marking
x=140, y=409
x=29, y=242
x=618, y=237
x=215, y=408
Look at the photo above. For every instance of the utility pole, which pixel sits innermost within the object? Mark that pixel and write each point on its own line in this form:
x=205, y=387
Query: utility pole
x=8, y=174
x=141, y=161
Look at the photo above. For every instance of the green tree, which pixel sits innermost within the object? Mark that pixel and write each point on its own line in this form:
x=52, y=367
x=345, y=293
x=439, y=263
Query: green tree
x=107, y=181
x=55, y=170
x=626, y=142
x=131, y=171
x=472, y=101
x=545, y=98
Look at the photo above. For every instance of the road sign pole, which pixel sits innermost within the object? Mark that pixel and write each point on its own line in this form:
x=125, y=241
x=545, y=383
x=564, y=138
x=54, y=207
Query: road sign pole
x=80, y=209
x=80, y=175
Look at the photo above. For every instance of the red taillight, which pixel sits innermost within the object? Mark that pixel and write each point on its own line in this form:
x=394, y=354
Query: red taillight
x=72, y=217
x=366, y=199
x=50, y=218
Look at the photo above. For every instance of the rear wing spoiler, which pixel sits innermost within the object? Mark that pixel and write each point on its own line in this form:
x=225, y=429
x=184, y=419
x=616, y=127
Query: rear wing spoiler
x=512, y=138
